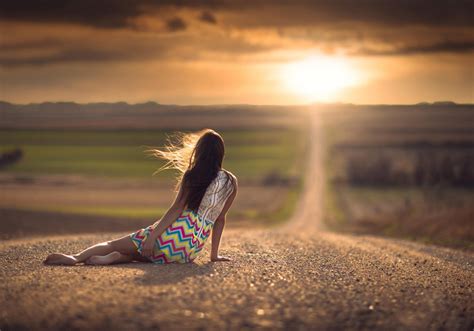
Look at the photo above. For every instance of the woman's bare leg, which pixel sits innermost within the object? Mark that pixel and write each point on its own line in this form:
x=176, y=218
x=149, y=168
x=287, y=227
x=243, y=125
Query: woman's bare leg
x=122, y=245
x=112, y=258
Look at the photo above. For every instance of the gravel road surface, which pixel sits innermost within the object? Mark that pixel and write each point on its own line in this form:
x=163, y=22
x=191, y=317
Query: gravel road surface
x=298, y=276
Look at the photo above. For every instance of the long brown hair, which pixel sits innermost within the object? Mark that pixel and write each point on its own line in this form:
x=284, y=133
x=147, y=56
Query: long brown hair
x=198, y=158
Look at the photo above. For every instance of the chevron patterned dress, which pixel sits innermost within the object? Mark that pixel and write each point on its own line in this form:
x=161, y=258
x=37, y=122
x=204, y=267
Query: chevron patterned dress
x=182, y=241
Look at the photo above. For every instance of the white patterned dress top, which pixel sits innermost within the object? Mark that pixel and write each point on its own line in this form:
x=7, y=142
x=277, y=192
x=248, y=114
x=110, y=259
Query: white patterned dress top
x=215, y=197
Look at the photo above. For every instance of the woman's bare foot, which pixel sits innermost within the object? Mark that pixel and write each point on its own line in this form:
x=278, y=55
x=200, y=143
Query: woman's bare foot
x=60, y=259
x=111, y=258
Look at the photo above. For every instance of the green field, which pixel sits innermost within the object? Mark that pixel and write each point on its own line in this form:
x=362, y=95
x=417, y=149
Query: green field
x=250, y=154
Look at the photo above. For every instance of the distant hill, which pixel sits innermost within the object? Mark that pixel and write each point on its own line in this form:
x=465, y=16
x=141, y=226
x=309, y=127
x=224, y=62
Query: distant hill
x=149, y=115
x=72, y=106
x=444, y=103
x=439, y=103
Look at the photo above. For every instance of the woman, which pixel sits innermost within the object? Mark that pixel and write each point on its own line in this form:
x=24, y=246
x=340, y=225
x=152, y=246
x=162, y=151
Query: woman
x=205, y=193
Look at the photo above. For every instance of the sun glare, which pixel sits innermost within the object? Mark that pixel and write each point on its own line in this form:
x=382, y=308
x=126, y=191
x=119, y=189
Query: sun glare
x=319, y=78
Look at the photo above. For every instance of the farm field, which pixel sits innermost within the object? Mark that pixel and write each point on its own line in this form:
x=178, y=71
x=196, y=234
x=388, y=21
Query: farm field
x=251, y=154
x=402, y=171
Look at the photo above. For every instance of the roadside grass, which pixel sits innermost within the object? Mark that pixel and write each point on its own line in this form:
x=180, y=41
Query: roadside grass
x=112, y=211
x=283, y=212
x=436, y=212
x=428, y=215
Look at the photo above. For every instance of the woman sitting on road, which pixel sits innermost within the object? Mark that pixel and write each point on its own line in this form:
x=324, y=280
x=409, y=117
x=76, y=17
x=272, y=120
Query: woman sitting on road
x=205, y=193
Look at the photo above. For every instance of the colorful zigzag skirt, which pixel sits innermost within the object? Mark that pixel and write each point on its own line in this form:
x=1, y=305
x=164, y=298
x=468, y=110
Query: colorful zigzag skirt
x=180, y=242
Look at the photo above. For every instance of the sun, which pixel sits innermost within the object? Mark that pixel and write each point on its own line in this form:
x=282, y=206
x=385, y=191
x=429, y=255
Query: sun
x=319, y=78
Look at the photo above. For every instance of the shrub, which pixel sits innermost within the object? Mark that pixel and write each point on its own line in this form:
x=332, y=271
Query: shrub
x=429, y=169
x=10, y=157
x=438, y=169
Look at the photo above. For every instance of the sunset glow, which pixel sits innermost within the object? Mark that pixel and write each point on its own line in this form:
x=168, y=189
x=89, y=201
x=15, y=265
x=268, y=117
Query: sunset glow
x=181, y=52
x=319, y=78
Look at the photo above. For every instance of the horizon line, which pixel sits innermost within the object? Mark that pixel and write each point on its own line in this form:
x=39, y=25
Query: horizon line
x=335, y=103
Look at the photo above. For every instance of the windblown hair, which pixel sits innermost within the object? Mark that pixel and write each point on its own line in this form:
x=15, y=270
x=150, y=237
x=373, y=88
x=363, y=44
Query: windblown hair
x=198, y=158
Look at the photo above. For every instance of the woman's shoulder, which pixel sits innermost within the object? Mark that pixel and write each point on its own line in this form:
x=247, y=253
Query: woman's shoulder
x=225, y=172
x=229, y=175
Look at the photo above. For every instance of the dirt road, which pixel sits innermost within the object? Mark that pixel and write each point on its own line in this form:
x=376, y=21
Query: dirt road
x=298, y=276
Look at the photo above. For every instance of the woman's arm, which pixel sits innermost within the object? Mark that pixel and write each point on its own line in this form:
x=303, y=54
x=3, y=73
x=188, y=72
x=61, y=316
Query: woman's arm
x=160, y=226
x=219, y=227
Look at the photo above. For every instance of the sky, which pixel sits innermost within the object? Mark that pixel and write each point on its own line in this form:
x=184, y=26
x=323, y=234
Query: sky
x=237, y=51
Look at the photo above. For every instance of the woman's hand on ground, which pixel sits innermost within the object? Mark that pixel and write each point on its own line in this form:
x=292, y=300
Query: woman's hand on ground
x=220, y=259
x=149, y=244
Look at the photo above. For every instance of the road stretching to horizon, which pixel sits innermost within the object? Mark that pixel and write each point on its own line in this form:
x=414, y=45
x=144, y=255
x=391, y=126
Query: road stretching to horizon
x=298, y=276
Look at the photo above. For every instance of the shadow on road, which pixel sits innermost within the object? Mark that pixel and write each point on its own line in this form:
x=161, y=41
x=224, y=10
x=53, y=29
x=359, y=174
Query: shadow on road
x=168, y=273
x=153, y=274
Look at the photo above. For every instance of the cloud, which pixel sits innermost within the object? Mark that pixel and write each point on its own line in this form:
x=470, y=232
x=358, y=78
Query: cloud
x=19, y=45
x=67, y=55
x=208, y=17
x=440, y=47
x=80, y=45
x=176, y=24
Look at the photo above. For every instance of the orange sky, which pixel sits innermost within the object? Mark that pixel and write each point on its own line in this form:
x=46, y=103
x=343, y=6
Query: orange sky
x=256, y=52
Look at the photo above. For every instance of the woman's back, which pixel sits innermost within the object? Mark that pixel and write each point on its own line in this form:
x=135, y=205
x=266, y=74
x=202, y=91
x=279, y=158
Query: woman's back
x=215, y=197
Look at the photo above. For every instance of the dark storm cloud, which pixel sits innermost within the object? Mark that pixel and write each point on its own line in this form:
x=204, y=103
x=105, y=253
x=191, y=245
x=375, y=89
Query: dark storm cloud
x=208, y=17
x=67, y=55
x=64, y=52
x=104, y=13
x=176, y=24
x=31, y=44
x=113, y=14
x=379, y=12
